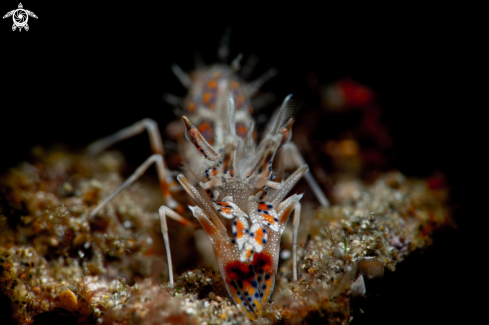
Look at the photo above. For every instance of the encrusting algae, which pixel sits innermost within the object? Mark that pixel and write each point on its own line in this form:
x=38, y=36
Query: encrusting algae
x=57, y=265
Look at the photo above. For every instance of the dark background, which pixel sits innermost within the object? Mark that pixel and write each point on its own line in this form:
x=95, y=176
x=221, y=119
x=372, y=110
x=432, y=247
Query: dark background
x=83, y=72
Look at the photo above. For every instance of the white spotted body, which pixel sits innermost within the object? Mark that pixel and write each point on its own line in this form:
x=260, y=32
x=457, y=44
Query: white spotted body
x=241, y=216
x=239, y=205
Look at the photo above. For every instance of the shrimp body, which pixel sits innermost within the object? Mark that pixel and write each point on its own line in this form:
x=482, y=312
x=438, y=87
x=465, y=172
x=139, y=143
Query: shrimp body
x=241, y=216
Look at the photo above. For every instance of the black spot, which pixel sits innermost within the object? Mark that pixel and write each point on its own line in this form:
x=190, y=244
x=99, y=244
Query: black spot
x=240, y=284
x=252, y=251
x=253, y=304
x=260, y=271
x=252, y=234
x=259, y=210
x=275, y=219
x=233, y=241
x=235, y=222
x=235, y=234
x=234, y=285
x=264, y=241
x=250, y=267
x=267, y=276
x=266, y=212
x=260, y=170
x=262, y=262
x=246, y=230
x=264, y=286
x=254, y=284
x=208, y=191
x=249, y=299
x=264, y=231
x=246, y=293
x=269, y=206
x=202, y=150
x=257, y=295
x=219, y=210
x=259, y=278
x=261, y=294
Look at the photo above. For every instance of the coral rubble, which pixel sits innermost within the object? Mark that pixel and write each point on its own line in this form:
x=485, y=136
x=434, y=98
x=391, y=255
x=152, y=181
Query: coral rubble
x=58, y=265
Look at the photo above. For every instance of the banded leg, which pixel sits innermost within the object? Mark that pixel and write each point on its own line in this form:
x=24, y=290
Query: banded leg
x=295, y=159
x=166, y=180
x=160, y=168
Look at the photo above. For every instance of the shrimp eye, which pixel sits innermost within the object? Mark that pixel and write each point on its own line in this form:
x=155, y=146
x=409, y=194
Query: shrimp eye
x=371, y=268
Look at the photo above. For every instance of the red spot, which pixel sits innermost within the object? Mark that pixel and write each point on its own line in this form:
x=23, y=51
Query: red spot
x=356, y=95
x=436, y=183
x=237, y=270
x=263, y=261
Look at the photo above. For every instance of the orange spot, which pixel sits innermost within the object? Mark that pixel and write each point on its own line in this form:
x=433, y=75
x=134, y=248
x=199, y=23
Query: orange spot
x=207, y=97
x=241, y=130
x=165, y=189
x=209, y=228
x=226, y=210
x=285, y=214
x=239, y=226
x=191, y=106
x=248, y=253
x=259, y=236
x=234, y=85
x=212, y=84
x=207, y=131
x=181, y=210
x=263, y=206
x=268, y=218
x=240, y=99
